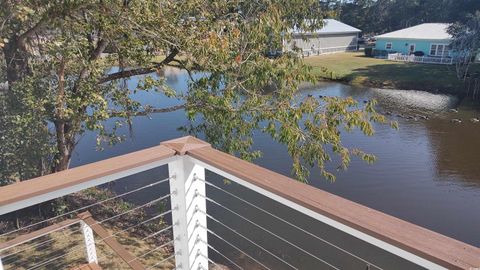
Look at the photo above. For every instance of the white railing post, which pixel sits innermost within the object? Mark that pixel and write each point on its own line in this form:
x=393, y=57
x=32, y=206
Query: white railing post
x=91, y=252
x=188, y=214
x=1, y=264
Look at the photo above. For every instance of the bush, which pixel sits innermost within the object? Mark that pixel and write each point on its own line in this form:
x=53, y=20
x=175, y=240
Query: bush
x=369, y=52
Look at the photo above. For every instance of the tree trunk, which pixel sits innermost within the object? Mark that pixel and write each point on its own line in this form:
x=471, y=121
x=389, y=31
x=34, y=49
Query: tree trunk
x=16, y=58
x=64, y=147
x=65, y=143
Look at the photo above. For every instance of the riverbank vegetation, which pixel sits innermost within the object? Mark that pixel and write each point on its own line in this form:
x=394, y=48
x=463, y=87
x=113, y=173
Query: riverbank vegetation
x=355, y=68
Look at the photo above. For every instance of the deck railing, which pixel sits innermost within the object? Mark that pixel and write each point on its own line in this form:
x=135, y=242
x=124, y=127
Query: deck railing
x=420, y=59
x=201, y=237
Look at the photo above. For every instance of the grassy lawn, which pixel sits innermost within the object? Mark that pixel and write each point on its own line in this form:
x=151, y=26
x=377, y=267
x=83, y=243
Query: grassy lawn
x=355, y=68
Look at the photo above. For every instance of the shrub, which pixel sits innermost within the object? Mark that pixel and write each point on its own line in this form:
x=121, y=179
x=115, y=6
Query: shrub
x=369, y=52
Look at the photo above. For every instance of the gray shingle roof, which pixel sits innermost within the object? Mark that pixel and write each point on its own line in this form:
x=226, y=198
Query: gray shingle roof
x=332, y=26
x=436, y=31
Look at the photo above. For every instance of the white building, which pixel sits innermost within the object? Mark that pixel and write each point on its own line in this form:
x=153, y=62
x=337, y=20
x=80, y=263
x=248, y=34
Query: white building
x=335, y=36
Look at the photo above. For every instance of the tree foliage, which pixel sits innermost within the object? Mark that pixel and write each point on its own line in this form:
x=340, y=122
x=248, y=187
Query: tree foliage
x=58, y=57
x=466, y=42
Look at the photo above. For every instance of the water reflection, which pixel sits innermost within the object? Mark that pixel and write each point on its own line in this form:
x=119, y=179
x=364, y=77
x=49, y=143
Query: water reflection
x=456, y=147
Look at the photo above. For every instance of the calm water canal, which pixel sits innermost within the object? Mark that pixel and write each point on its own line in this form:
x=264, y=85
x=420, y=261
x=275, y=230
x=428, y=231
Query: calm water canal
x=428, y=171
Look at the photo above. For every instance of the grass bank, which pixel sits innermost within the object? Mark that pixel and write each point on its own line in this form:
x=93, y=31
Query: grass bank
x=355, y=68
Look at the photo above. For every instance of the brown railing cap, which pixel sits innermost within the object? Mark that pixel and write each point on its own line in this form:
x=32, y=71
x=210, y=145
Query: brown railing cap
x=425, y=243
x=68, y=178
x=184, y=144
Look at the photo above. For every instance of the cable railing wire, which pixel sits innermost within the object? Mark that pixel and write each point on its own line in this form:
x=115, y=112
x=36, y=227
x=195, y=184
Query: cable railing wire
x=209, y=260
x=160, y=262
x=289, y=223
x=249, y=240
x=224, y=256
x=136, y=208
x=152, y=250
x=129, y=211
x=157, y=233
x=39, y=236
x=236, y=248
x=87, y=206
x=128, y=228
x=268, y=231
x=52, y=260
x=200, y=266
x=141, y=256
x=35, y=246
x=117, y=233
x=63, y=265
x=25, y=264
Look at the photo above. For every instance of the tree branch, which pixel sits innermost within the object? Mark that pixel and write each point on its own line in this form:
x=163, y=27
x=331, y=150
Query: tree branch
x=139, y=71
x=46, y=17
x=147, y=111
x=85, y=72
x=33, y=30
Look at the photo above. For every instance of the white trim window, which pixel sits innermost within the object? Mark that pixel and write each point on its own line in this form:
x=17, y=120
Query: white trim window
x=438, y=49
x=388, y=46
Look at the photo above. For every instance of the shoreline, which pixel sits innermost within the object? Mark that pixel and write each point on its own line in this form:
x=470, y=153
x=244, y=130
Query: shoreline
x=358, y=70
x=379, y=85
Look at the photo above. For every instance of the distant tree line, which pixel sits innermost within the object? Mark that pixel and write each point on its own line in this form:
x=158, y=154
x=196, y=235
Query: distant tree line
x=380, y=16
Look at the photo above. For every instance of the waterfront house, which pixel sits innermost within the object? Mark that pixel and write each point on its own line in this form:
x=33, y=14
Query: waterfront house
x=334, y=36
x=427, y=43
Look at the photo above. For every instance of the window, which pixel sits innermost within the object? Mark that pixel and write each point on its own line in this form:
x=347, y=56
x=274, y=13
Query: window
x=388, y=46
x=438, y=49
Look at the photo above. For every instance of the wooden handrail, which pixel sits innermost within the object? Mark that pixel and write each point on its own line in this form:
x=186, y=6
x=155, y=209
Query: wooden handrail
x=69, y=178
x=425, y=243
x=422, y=242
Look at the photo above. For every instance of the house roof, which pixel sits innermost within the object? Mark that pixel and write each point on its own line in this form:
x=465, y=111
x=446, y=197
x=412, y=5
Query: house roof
x=435, y=31
x=332, y=26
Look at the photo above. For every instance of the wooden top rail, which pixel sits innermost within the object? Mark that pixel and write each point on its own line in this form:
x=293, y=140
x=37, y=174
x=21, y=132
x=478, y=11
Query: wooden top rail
x=427, y=244
x=424, y=243
x=72, y=177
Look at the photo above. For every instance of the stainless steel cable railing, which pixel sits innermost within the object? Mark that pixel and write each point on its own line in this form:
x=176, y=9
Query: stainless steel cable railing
x=52, y=258
x=369, y=263
x=235, y=247
x=87, y=206
x=207, y=223
x=162, y=261
x=223, y=255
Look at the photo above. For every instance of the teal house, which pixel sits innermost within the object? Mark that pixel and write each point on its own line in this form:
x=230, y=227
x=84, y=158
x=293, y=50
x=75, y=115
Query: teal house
x=428, y=40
